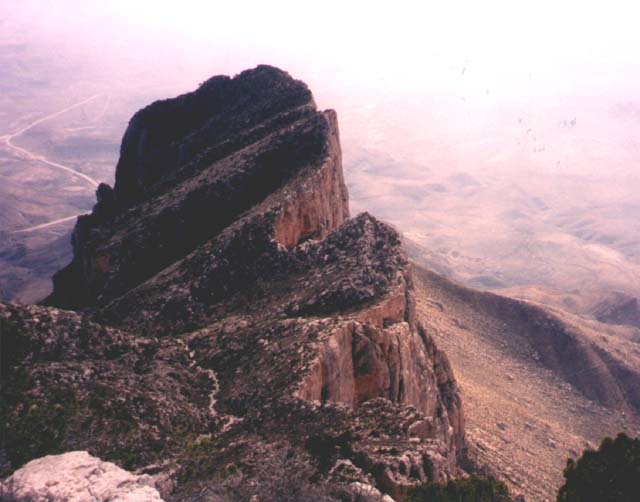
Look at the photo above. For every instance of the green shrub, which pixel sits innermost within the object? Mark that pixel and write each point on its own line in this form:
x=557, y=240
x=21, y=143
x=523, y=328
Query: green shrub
x=41, y=427
x=280, y=475
x=198, y=458
x=609, y=474
x=471, y=489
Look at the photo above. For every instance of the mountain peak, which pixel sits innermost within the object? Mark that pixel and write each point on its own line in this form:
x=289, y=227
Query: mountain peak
x=192, y=165
x=225, y=252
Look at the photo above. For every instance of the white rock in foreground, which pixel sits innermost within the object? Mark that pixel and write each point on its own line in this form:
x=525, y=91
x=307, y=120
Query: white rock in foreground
x=78, y=477
x=364, y=491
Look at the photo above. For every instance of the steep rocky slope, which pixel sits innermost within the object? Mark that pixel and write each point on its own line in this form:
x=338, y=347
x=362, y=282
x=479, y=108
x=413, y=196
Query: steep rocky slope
x=227, y=307
x=539, y=386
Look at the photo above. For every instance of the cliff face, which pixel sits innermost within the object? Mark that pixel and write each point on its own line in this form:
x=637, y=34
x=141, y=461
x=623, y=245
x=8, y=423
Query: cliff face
x=191, y=166
x=223, y=268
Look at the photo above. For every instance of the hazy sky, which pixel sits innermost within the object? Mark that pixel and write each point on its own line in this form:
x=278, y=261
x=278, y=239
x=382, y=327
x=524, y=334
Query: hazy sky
x=508, y=48
x=456, y=118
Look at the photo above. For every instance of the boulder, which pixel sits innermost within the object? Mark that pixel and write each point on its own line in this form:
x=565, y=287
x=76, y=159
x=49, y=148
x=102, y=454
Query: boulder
x=78, y=477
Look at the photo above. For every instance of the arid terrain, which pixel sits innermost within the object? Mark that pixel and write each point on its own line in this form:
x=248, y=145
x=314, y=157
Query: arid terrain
x=193, y=348
x=59, y=137
x=531, y=196
x=528, y=411
x=508, y=196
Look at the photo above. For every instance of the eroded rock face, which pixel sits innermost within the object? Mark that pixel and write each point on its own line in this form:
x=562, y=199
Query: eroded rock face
x=358, y=362
x=223, y=269
x=190, y=166
x=78, y=477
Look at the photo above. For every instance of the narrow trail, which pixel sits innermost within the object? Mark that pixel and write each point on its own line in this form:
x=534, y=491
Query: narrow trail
x=45, y=225
x=52, y=115
x=40, y=158
x=23, y=152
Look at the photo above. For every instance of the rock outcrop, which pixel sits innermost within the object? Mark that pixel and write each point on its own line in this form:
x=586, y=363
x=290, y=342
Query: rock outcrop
x=191, y=168
x=78, y=477
x=227, y=307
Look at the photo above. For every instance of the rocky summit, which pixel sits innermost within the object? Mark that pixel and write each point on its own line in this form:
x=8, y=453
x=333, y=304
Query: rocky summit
x=222, y=309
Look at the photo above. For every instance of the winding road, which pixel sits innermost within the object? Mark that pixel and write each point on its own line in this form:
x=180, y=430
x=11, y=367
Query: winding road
x=45, y=225
x=24, y=153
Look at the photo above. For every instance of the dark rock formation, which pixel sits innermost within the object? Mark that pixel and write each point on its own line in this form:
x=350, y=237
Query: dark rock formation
x=190, y=166
x=228, y=306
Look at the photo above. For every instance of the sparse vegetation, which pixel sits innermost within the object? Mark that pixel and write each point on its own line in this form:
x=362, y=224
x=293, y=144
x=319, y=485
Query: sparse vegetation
x=281, y=476
x=41, y=429
x=471, y=489
x=14, y=345
x=198, y=458
x=609, y=474
x=524, y=440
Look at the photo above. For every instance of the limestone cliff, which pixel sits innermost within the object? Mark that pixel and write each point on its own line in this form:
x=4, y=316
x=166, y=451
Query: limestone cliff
x=223, y=268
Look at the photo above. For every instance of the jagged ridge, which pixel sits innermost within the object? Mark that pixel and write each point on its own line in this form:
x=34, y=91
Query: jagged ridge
x=226, y=242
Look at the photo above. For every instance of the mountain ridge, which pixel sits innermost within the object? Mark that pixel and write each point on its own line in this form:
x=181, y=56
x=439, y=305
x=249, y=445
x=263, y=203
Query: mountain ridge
x=223, y=267
x=222, y=308
x=527, y=409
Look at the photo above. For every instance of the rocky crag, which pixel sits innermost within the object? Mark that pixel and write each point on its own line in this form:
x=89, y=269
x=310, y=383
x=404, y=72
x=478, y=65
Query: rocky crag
x=221, y=306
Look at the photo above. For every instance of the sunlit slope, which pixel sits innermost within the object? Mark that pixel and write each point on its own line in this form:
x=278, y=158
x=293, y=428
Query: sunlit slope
x=538, y=386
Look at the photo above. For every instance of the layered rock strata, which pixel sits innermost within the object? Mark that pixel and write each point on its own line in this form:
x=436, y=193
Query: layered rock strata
x=226, y=306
